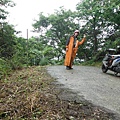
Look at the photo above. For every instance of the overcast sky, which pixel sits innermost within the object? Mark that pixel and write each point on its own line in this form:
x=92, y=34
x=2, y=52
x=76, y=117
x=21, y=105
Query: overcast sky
x=25, y=11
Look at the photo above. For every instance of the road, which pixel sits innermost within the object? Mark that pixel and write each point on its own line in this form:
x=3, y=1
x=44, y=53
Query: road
x=89, y=82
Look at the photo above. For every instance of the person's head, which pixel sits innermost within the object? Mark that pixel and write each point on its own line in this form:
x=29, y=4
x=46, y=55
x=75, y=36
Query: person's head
x=76, y=33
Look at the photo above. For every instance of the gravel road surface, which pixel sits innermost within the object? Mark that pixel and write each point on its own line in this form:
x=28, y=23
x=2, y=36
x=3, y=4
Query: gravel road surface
x=89, y=82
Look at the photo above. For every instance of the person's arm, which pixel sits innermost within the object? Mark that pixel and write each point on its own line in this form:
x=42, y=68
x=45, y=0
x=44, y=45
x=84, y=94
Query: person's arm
x=83, y=40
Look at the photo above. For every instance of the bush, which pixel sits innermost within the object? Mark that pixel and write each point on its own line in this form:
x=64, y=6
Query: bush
x=44, y=61
x=4, y=67
x=15, y=64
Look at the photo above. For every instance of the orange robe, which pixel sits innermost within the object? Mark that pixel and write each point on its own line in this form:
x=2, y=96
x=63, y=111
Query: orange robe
x=71, y=53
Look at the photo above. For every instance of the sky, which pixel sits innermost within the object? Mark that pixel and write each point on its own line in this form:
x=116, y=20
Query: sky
x=25, y=11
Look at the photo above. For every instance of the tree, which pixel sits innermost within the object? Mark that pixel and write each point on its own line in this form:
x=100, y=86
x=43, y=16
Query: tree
x=111, y=12
x=6, y=31
x=102, y=24
x=4, y=4
x=38, y=52
x=7, y=41
x=41, y=25
x=91, y=11
x=57, y=28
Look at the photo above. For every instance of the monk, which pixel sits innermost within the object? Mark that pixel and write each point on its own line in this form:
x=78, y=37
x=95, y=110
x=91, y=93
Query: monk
x=71, y=49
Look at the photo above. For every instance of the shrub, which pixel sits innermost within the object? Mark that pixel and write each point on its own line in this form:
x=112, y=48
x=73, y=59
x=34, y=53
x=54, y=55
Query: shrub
x=4, y=67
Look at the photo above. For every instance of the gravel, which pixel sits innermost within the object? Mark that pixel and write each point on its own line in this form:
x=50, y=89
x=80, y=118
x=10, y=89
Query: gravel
x=89, y=83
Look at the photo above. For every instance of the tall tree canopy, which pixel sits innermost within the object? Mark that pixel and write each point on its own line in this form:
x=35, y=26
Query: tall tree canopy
x=102, y=24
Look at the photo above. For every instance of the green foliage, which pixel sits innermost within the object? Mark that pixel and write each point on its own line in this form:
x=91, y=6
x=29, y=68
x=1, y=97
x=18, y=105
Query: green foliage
x=62, y=23
x=58, y=27
x=112, y=11
x=7, y=41
x=3, y=4
x=44, y=61
x=38, y=51
x=41, y=24
x=17, y=62
x=5, y=68
x=99, y=20
x=102, y=26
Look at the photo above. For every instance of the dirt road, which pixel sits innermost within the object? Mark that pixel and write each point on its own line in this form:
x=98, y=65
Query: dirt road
x=90, y=84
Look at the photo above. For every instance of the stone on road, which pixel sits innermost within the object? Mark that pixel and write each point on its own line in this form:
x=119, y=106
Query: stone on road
x=99, y=88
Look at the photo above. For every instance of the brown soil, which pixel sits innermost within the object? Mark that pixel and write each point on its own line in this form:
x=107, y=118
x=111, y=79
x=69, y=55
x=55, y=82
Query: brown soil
x=32, y=94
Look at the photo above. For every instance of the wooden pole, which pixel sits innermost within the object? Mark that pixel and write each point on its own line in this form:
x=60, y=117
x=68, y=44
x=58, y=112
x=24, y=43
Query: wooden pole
x=27, y=47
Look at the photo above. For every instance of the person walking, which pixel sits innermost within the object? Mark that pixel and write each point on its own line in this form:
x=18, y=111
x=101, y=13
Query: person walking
x=72, y=45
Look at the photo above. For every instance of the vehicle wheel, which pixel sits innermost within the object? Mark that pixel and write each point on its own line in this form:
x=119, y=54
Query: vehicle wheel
x=104, y=69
